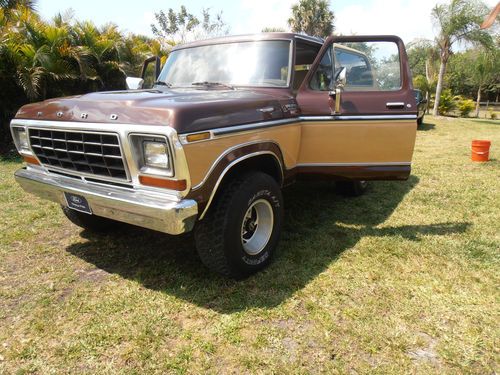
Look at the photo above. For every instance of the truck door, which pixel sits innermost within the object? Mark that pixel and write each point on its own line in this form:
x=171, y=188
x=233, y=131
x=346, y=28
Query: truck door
x=358, y=110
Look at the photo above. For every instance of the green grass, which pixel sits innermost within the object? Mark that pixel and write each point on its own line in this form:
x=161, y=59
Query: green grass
x=402, y=280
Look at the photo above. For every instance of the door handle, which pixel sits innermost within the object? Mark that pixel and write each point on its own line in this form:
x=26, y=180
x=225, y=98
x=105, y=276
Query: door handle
x=395, y=105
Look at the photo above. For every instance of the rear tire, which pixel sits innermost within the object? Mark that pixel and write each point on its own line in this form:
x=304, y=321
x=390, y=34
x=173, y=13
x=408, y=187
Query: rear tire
x=241, y=230
x=352, y=188
x=92, y=223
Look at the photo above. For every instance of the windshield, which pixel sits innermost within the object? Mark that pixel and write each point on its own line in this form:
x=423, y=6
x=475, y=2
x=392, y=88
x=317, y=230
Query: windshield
x=259, y=63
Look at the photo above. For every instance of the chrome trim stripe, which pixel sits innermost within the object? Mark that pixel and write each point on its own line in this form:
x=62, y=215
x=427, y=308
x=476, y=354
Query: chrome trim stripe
x=405, y=163
x=358, y=117
x=231, y=149
x=219, y=180
x=257, y=125
x=217, y=132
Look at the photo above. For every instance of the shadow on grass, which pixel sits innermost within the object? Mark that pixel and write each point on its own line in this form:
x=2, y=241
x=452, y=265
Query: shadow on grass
x=426, y=126
x=10, y=157
x=486, y=122
x=320, y=225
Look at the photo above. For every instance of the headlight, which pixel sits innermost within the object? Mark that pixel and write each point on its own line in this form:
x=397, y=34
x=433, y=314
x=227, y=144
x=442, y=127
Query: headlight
x=152, y=154
x=156, y=154
x=20, y=139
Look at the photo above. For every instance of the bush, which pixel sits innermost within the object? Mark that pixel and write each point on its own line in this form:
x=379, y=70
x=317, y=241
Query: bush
x=465, y=106
x=447, y=102
x=493, y=115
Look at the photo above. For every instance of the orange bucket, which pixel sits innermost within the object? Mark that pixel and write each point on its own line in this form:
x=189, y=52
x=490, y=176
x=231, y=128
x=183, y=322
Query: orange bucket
x=480, y=150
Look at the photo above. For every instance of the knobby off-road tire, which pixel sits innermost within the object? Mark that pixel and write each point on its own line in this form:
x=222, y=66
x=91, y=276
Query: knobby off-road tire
x=352, y=188
x=241, y=230
x=92, y=223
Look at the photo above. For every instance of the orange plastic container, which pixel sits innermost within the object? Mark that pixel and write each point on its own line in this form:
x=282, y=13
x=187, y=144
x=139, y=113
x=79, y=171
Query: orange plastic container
x=480, y=150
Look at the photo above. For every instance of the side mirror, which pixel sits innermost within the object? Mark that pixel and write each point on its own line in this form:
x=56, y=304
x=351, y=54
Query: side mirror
x=134, y=83
x=341, y=77
x=153, y=59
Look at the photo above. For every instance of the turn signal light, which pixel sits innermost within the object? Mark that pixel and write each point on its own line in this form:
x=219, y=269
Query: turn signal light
x=198, y=137
x=30, y=160
x=178, y=185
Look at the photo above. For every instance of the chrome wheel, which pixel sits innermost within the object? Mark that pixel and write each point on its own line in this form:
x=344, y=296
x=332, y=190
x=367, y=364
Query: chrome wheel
x=257, y=227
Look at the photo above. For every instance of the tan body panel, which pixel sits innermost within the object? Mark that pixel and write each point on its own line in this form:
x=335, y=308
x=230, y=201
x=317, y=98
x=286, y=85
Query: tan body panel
x=201, y=156
x=357, y=141
x=313, y=142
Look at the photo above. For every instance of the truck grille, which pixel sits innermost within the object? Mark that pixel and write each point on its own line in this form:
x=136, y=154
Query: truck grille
x=92, y=153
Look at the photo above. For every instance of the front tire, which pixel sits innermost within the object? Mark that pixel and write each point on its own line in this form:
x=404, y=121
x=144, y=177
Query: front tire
x=241, y=230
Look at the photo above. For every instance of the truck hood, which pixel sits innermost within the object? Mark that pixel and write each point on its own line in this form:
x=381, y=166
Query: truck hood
x=186, y=110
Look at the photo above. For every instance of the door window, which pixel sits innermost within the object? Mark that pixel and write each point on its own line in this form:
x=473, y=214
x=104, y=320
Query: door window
x=370, y=66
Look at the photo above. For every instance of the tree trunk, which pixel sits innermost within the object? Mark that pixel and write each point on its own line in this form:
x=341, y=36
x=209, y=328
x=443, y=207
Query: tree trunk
x=439, y=87
x=428, y=98
x=478, y=101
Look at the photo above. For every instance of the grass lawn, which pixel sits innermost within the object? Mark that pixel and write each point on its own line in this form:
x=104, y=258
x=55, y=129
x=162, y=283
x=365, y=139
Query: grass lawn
x=402, y=280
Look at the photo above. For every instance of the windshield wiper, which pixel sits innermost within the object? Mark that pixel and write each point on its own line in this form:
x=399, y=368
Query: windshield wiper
x=161, y=83
x=212, y=84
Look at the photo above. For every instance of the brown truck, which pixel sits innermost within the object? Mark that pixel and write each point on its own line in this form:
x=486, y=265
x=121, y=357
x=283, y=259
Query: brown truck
x=227, y=123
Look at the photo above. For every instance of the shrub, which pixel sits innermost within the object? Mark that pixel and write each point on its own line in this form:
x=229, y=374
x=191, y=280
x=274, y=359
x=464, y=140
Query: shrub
x=447, y=102
x=465, y=106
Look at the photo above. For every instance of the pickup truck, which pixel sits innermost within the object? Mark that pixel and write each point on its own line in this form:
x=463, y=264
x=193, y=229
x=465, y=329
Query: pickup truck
x=226, y=125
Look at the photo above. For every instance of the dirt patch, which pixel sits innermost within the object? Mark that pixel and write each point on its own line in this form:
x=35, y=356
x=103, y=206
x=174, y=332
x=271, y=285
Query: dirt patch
x=96, y=275
x=427, y=353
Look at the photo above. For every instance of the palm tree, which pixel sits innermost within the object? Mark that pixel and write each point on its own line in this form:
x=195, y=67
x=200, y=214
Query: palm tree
x=312, y=17
x=14, y=4
x=458, y=21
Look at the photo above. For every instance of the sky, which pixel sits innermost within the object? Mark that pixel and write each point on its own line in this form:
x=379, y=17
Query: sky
x=409, y=19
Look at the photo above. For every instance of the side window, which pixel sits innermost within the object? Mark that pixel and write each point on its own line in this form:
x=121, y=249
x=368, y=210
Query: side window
x=305, y=54
x=322, y=79
x=371, y=66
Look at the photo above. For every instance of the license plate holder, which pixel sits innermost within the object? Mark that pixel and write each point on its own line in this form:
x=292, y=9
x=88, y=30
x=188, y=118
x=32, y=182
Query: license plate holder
x=77, y=202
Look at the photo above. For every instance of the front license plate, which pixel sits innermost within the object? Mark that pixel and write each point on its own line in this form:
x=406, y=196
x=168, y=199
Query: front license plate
x=77, y=202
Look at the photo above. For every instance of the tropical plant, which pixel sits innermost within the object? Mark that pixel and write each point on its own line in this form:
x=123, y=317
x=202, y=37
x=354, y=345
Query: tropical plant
x=474, y=73
x=178, y=27
x=447, y=102
x=423, y=57
x=40, y=60
x=312, y=17
x=465, y=106
x=458, y=21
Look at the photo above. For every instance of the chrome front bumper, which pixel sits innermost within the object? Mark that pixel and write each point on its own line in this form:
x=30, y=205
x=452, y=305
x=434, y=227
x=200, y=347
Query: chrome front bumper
x=141, y=208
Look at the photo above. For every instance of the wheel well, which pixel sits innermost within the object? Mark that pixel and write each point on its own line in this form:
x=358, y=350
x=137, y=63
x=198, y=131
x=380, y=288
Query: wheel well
x=266, y=163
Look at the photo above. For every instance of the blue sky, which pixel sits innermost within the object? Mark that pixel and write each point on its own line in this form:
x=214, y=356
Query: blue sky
x=409, y=19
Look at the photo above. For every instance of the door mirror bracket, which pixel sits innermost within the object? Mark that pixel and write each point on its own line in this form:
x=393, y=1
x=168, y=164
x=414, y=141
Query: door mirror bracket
x=334, y=96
